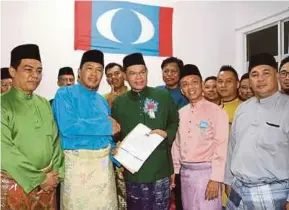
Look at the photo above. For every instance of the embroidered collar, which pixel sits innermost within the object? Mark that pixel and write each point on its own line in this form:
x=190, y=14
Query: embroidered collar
x=137, y=95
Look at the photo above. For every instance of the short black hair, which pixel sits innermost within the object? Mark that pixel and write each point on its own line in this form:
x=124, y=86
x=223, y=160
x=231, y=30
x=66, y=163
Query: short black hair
x=179, y=62
x=111, y=65
x=231, y=69
x=211, y=78
x=285, y=60
x=244, y=76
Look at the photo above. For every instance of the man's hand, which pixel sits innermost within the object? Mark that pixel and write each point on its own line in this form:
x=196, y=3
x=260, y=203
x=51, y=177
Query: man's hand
x=287, y=205
x=212, y=191
x=228, y=189
x=50, y=182
x=159, y=132
x=172, y=181
x=115, y=126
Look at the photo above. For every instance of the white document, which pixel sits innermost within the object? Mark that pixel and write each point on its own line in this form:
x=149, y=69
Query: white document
x=136, y=147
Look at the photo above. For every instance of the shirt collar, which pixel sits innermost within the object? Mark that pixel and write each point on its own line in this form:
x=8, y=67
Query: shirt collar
x=198, y=104
x=85, y=90
x=269, y=100
x=136, y=95
x=20, y=94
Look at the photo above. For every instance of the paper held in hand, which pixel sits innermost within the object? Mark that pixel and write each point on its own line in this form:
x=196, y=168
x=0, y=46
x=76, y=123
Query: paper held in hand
x=136, y=147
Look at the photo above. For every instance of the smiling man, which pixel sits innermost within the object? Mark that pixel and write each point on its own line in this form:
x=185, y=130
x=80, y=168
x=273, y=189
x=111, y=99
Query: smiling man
x=31, y=157
x=200, y=148
x=115, y=77
x=257, y=166
x=86, y=128
x=149, y=188
x=284, y=75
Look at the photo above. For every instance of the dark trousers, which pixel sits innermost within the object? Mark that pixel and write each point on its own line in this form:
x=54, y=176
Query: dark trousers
x=58, y=196
x=177, y=192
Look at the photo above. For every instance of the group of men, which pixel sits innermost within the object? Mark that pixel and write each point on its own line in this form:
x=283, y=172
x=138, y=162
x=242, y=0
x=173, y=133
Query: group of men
x=226, y=141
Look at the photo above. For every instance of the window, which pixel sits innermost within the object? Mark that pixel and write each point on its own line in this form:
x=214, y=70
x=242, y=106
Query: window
x=273, y=38
x=265, y=40
x=286, y=37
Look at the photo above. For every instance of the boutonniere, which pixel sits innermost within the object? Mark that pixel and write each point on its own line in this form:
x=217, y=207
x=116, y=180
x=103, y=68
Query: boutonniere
x=204, y=124
x=150, y=107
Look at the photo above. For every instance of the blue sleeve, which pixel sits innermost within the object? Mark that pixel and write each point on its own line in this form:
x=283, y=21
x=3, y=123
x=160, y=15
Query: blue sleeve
x=71, y=125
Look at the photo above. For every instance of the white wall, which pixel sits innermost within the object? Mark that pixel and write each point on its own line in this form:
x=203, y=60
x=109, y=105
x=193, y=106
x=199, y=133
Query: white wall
x=204, y=34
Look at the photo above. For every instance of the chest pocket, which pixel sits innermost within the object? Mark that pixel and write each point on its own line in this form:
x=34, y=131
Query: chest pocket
x=275, y=134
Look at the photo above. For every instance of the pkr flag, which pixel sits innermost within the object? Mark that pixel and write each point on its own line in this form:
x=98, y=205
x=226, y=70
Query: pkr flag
x=123, y=27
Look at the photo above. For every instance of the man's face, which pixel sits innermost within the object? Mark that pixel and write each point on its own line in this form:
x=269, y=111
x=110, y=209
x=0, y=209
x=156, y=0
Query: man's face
x=284, y=77
x=136, y=76
x=6, y=85
x=90, y=75
x=263, y=80
x=115, y=77
x=66, y=80
x=27, y=76
x=227, y=84
x=210, y=90
x=245, y=91
x=191, y=87
x=171, y=74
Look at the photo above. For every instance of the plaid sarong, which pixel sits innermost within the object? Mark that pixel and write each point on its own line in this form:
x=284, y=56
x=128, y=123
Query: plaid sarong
x=148, y=196
x=258, y=197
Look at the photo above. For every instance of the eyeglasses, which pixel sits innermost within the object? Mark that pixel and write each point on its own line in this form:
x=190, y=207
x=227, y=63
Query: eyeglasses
x=5, y=84
x=283, y=74
x=135, y=74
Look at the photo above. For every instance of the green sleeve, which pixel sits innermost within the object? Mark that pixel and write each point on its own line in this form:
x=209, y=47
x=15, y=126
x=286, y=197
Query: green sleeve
x=58, y=156
x=173, y=120
x=14, y=162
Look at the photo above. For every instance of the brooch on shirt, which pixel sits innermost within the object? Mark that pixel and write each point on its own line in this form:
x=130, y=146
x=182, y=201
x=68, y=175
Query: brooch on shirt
x=204, y=124
x=150, y=107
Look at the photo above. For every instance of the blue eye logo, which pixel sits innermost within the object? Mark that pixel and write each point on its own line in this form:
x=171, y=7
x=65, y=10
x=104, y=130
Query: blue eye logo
x=123, y=27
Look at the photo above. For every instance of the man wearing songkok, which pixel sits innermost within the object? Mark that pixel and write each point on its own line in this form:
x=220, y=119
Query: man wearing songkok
x=200, y=148
x=210, y=90
x=65, y=78
x=86, y=128
x=31, y=156
x=6, y=80
x=257, y=167
x=149, y=188
x=245, y=91
x=171, y=76
x=115, y=77
x=284, y=75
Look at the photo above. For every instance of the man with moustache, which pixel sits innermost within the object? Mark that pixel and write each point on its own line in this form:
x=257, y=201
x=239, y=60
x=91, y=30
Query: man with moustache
x=115, y=77
x=257, y=166
x=245, y=91
x=31, y=156
x=210, y=90
x=171, y=74
x=149, y=188
x=6, y=80
x=284, y=75
x=200, y=148
x=86, y=128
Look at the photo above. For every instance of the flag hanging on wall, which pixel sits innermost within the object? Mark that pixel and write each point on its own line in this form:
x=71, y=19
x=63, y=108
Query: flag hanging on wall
x=123, y=27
